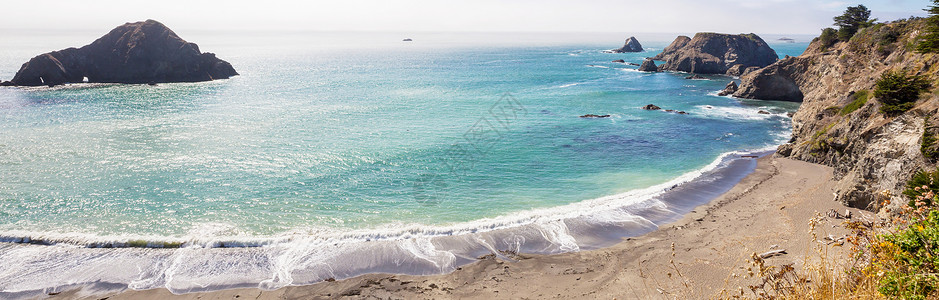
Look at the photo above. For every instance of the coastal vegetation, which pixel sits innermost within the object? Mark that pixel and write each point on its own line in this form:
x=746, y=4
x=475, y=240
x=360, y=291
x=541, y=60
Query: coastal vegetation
x=858, y=99
x=930, y=40
x=898, y=92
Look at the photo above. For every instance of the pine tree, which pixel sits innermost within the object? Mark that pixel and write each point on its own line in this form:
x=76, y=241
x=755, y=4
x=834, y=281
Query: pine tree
x=853, y=19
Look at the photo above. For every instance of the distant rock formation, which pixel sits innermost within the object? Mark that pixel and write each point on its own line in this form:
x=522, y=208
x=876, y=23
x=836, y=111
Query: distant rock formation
x=716, y=53
x=142, y=52
x=632, y=45
x=651, y=107
x=648, y=66
x=730, y=89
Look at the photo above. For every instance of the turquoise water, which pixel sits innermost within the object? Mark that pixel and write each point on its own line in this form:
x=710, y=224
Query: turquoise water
x=355, y=135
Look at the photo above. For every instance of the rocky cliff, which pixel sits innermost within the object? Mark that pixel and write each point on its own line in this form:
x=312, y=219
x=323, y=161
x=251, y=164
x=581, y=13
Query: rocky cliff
x=717, y=53
x=632, y=45
x=142, y=52
x=840, y=124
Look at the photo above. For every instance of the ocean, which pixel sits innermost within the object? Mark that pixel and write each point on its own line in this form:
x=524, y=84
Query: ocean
x=338, y=154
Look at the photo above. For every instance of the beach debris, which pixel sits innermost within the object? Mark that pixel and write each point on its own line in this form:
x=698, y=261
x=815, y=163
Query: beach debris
x=773, y=253
x=595, y=116
x=774, y=246
x=832, y=213
x=838, y=241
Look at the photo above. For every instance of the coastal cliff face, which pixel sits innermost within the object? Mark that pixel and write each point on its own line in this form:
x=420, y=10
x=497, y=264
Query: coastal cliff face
x=840, y=124
x=141, y=52
x=717, y=53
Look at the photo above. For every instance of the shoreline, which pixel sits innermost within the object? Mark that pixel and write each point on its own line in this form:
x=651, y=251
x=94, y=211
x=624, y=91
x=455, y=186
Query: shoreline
x=770, y=206
x=304, y=260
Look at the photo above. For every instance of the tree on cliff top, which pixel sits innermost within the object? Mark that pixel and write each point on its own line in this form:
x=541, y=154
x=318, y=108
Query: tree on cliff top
x=853, y=19
x=930, y=40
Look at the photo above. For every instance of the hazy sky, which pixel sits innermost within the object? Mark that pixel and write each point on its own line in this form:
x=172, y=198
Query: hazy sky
x=763, y=16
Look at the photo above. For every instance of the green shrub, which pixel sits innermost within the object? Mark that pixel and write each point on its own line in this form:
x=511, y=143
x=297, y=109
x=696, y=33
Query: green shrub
x=898, y=92
x=910, y=261
x=922, y=183
x=858, y=99
x=930, y=41
x=828, y=38
x=927, y=144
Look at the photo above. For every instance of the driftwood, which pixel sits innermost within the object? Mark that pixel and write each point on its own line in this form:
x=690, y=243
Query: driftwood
x=773, y=253
x=834, y=214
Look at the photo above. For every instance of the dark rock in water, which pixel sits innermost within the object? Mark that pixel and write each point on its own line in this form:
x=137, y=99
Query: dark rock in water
x=730, y=89
x=716, y=53
x=676, y=111
x=651, y=107
x=632, y=45
x=763, y=112
x=407, y=40
x=151, y=83
x=669, y=110
x=6, y=83
x=681, y=112
x=633, y=64
x=648, y=66
x=695, y=77
x=595, y=116
x=619, y=61
x=141, y=52
x=790, y=114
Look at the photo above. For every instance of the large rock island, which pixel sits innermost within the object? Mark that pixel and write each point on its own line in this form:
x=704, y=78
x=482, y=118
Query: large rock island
x=717, y=53
x=141, y=52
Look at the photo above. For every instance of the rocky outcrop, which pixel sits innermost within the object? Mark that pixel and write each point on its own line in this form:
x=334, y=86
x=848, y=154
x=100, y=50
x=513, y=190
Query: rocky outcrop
x=142, y=52
x=716, y=53
x=873, y=155
x=651, y=107
x=729, y=89
x=632, y=45
x=648, y=66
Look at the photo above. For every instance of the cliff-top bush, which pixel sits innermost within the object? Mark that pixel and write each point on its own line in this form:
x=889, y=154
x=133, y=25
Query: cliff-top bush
x=898, y=91
x=930, y=40
x=853, y=19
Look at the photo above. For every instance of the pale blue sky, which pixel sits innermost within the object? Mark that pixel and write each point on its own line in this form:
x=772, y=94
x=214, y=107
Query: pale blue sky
x=762, y=16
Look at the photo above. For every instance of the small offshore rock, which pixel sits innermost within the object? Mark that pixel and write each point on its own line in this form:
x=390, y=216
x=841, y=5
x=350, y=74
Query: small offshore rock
x=595, y=116
x=648, y=66
x=651, y=107
x=695, y=77
x=763, y=112
x=632, y=45
x=729, y=89
x=407, y=40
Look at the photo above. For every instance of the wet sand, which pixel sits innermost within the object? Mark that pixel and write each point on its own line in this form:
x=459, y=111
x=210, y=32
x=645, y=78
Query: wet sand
x=769, y=209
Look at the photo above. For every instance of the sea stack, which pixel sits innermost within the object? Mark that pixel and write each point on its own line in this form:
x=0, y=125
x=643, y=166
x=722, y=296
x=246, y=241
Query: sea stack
x=141, y=52
x=716, y=53
x=632, y=45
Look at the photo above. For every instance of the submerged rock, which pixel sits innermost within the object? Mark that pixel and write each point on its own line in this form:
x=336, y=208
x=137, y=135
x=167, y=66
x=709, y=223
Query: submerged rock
x=632, y=45
x=648, y=66
x=619, y=61
x=595, y=116
x=695, y=77
x=716, y=53
x=140, y=52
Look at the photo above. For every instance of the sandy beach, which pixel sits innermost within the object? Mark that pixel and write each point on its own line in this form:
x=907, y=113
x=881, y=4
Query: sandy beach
x=770, y=209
